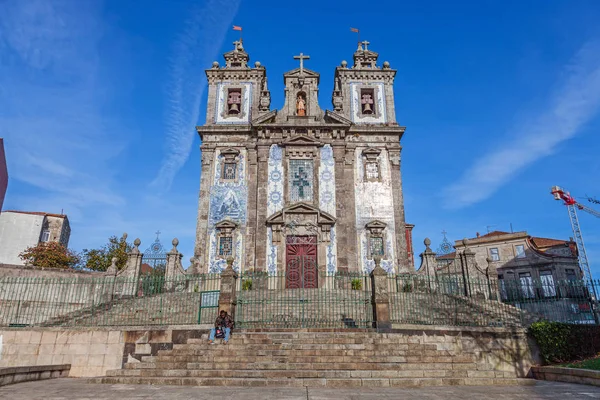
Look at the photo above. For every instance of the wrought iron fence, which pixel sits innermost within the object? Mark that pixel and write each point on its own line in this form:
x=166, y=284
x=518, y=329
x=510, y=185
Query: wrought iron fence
x=452, y=300
x=333, y=301
x=108, y=301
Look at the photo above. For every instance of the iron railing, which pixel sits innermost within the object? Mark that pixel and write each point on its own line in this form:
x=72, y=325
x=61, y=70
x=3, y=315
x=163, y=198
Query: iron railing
x=108, y=301
x=334, y=301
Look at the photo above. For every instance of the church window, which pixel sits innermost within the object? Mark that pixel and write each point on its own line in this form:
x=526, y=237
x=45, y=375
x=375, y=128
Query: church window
x=45, y=236
x=372, y=169
x=229, y=170
x=234, y=101
x=225, y=246
x=301, y=180
x=494, y=255
x=376, y=246
x=367, y=101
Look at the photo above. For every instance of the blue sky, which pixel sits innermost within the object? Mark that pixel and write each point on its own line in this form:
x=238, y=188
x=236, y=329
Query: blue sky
x=99, y=99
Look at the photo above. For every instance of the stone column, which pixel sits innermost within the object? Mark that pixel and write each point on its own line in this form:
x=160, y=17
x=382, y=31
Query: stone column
x=173, y=268
x=380, y=297
x=227, y=295
x=346, y=235
x=132, y=270
x=399, y=219
x=201, y=250
x=262, y=181
x=250, y=237
x=428, y=261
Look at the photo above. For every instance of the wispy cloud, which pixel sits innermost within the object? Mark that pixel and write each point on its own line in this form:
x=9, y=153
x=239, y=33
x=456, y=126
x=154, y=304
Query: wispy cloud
x=59, y=143
x=194, y=51
x=575, y=101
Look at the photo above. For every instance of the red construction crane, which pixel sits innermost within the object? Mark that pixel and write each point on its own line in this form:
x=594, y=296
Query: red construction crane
x=572, y=207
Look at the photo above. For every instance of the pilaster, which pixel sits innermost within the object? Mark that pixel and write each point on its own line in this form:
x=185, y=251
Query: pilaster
x=206, y=176
x=262, y=182
x=399, y=219
x=251, y=227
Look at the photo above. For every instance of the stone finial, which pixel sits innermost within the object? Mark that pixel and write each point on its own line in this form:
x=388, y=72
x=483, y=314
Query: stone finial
x=257, y=64
x=125, y=236
x=427, y=243
x=112, y=270
x=175, y=243
x=230, y=261
x=215, y=64
x=137, y=243
x=386, y=64
x=344, y=64
x=464, y=242
x=377, y=260
x=489, y=260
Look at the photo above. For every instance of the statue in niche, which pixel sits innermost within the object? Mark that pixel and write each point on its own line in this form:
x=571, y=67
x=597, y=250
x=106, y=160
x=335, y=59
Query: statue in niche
x=367, y=100
x=300, y=105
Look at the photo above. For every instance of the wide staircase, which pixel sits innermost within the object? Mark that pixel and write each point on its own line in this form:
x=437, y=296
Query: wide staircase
x=334, y=358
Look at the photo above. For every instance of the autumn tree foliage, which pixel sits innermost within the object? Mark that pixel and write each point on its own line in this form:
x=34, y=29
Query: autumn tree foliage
x=100, y=259
x=50, y=255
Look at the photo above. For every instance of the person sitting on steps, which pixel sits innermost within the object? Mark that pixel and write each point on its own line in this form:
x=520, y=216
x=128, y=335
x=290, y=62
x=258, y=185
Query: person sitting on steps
x=223, y=322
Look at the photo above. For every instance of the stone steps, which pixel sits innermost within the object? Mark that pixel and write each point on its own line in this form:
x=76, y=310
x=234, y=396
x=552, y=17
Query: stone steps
x=313, y=382
x=314, y=358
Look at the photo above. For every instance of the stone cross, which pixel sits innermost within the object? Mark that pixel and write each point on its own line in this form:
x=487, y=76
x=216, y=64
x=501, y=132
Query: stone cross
x=157, y=234
x=237, y=45
x=366, y=43
x=301, y=57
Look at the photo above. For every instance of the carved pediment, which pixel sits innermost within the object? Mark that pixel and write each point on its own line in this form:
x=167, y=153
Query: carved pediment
x=225, y=224
x=323, y=218
x=265, y=119
x=333, y=117
x=301, y=140
x=376, y=224
x=230, y=154
x=371, y=153
x=306, y=73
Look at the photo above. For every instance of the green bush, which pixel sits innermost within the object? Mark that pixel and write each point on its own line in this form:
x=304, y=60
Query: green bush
x=356, y=284
x=247, y=284
x=559, y=343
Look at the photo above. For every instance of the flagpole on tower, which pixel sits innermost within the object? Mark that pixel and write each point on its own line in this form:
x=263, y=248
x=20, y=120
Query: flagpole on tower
x=238, y=28
x=357, y=32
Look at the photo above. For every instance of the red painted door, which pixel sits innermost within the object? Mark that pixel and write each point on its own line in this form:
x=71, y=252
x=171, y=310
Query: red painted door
x=301, y=260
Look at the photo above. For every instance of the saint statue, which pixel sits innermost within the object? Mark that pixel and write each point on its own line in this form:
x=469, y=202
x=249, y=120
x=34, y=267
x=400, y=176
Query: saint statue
x=300, y=106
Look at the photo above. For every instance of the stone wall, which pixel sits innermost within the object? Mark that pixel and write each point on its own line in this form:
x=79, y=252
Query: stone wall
x=90, y=352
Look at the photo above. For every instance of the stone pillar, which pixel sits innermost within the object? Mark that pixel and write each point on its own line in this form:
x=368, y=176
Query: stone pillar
x=380, y=297
x=227, y=295
x=132, y=270
x=346, y=234
x=201, y=250
x=428, y=260
x=262, y=180
x=250, y=236
x=402, y=258
x=173, y=268
x=468, y=268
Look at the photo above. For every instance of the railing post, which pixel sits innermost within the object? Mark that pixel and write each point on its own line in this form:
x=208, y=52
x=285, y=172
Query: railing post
x=173, y=268
x=380, y=297
x=227, y=295
x=132, y=269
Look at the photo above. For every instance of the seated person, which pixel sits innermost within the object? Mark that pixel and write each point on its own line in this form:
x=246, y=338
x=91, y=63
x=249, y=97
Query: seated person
x=224, y=322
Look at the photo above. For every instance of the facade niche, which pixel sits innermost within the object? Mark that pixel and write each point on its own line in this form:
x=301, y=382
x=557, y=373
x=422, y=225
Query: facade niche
x=234, y=101
x=372, y=166
x=229, y=169
x=225, y=239
x=375, y=239
x=367, y=101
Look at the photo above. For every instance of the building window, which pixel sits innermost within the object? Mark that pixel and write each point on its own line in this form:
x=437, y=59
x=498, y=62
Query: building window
x=225, y=246
x=502, y=287
x=376, y=246
x=234, y=101
x=571, y=275
x=520, y=251
x=526, y=285
x=45, y=236
x=494, y=255
x=229, y=171
x=372, y=170
x=301, y=180
x=547, y=281
x=367, y=101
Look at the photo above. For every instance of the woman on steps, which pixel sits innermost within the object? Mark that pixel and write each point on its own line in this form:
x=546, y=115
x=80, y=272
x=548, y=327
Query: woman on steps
x=223, y=322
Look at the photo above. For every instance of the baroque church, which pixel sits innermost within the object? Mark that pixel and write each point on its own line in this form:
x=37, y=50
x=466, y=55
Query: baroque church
x=301, y=189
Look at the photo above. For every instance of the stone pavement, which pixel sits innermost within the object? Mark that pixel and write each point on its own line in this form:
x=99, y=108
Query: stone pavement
x=69, y=388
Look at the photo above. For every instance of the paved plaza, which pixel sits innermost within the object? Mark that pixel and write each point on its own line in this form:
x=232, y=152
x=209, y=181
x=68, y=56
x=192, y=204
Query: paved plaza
x=79, y=389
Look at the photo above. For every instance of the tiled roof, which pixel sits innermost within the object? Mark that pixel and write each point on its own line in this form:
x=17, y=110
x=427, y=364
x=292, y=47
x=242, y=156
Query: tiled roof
x=492, y=233
x=37, y=213
x=449, y=256
x=546, y=242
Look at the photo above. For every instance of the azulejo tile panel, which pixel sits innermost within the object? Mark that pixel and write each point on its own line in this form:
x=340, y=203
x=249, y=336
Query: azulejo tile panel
x=228, y=201
x=271, y=253
x=300, y=175
x=327, y=200
x=374, y=201
x=276, y=180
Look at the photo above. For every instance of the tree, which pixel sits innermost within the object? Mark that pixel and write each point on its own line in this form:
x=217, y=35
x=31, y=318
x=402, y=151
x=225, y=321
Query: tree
x=100, y=259
x=50, y=255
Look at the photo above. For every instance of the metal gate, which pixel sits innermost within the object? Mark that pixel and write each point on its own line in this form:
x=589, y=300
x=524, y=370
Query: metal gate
x=293, y=300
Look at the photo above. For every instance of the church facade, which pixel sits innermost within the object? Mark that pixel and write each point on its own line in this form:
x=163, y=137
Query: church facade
x=301, y=189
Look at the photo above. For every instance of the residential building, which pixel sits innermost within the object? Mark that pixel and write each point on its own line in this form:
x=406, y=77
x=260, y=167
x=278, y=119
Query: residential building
x=20, y=230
